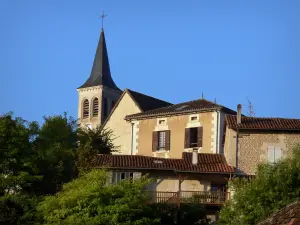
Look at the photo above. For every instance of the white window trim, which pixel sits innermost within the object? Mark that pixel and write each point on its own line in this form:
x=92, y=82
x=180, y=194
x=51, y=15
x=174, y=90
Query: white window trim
x=194, y=123
x=161, y=127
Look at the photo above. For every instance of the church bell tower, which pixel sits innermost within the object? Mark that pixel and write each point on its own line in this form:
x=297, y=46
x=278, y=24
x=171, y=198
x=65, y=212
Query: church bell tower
x=99, y=93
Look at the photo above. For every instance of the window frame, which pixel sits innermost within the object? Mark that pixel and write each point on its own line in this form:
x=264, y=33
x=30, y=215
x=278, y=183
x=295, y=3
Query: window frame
x=95, y=110
x=85, y=108
x=164, y=136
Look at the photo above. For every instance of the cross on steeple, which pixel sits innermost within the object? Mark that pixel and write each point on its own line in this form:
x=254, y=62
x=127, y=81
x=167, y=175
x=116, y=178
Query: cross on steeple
x=102, y=17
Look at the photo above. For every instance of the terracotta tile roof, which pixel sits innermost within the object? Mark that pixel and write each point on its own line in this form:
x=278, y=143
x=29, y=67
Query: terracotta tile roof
x=290, y=215
x=146, y=102
x=184, y=107
x=207, y=163
x=263, y=123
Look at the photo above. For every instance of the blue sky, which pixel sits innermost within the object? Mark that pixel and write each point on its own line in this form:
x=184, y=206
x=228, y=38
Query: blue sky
x=173, y=50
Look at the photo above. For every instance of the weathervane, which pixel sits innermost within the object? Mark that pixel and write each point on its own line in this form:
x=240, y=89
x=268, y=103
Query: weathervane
x=102, y=17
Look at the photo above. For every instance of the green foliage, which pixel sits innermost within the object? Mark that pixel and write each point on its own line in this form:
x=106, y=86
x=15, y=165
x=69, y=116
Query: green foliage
x=17, y=172
x=56, y=146
x=89, y=200
x=274, y=186
x=91, y=142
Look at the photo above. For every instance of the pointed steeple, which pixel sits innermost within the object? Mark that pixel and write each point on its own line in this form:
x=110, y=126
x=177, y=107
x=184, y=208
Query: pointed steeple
x=100, y=74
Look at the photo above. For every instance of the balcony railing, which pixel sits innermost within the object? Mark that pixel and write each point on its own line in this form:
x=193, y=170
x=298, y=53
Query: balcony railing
x=198, y=197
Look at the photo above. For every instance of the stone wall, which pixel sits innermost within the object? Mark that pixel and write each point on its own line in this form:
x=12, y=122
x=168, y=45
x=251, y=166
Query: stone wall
x=253, y=148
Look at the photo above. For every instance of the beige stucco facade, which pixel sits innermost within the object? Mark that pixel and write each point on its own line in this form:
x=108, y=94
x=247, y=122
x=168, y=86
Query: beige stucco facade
x=122, y=129
x=90, y=93
x=212, y=134
x=168, y=182
x=253, y=147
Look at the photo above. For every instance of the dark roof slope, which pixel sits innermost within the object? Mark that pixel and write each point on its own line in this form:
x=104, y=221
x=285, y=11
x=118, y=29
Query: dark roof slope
x=146, y=102
x=185, y=107
x=263, y=123
x=207, y=163
x=143, y=102
x=290, y=215
x=100, y=74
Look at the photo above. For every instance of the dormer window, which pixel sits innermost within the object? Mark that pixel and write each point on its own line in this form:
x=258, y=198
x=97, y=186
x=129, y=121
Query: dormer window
x=86, y=106
x=95, y=107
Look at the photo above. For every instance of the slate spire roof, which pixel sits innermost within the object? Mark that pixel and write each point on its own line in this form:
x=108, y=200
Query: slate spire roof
x=100, y=74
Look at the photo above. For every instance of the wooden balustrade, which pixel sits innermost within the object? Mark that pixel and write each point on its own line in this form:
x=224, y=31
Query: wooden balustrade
x=198, y=197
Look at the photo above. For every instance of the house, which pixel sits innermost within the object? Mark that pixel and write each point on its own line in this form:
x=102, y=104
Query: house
x=194, y=178
x=169, y=131
x=289, y=215
x=249, y=141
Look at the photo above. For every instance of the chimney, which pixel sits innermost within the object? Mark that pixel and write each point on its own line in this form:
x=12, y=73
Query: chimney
x=239, y=114
x=195, y=157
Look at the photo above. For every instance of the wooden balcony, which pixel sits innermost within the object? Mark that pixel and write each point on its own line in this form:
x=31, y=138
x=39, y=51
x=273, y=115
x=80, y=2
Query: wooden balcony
x=217, y=198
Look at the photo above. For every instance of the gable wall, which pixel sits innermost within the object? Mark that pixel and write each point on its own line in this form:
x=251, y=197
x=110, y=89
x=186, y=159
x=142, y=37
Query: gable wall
x=120, y=127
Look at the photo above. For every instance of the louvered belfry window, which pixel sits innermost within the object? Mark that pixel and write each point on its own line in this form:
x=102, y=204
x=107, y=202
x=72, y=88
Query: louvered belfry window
x=86, y=108
x=95, y=107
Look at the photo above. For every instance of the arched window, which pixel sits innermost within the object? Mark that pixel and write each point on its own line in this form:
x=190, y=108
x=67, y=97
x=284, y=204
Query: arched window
x=86, y=106
x=95, y=107
x=105, y=108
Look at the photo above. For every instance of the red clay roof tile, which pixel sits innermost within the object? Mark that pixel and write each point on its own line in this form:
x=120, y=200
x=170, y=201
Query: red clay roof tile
x=263, y=123
x=290, y=215
x=207, y=163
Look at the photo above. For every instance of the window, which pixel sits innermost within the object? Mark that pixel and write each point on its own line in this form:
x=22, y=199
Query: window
x=161, y=122
x=119, y=176
x=274, y=154
x=95, y=107
x=85, y=108
x=105, y=108
x=193, y=118
x=193, y=137
x=161, y=140
x=214, y=187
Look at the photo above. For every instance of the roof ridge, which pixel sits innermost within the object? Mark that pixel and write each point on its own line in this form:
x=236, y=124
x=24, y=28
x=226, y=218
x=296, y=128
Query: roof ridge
x=252, y=117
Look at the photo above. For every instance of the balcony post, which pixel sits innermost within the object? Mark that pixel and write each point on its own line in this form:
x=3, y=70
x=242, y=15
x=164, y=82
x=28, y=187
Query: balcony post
x=179, y=190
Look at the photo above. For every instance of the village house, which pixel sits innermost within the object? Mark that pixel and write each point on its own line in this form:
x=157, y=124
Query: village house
x=249, y=141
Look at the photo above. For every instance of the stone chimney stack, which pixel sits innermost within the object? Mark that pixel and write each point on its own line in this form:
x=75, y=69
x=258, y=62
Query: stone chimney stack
x=195, y=157
x=239, y=114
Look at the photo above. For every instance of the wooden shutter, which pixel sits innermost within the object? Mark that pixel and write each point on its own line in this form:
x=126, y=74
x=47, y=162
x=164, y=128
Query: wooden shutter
x=277, y=153
x=187, y=138
x=200, y=136
x=271, y=153
x=168, y=140
x=154, y=141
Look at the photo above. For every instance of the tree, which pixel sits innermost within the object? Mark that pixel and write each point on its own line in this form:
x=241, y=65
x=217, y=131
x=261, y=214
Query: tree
x=56, y=153
x=273, y=187
x=92, y=142
x=90, y=200
x=17, y=170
